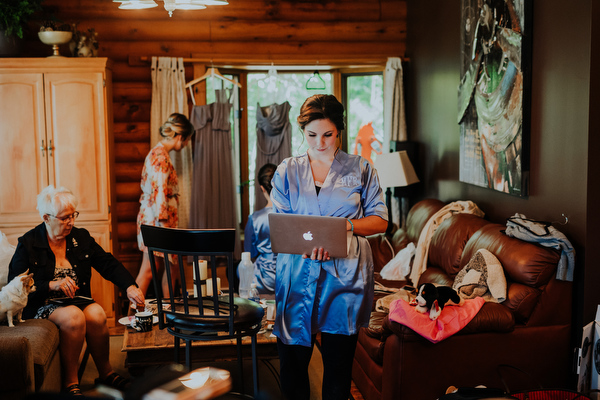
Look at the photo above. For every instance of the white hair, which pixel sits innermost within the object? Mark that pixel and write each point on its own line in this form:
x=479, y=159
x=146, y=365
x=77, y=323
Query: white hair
x=53, y=200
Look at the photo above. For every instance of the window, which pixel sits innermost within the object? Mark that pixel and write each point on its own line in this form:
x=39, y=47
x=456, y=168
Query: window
x=360, y=92
x=266, y=89
x=363, y=99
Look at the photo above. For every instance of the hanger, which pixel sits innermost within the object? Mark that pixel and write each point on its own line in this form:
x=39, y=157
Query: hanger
x=212, y=73
x=317, y=82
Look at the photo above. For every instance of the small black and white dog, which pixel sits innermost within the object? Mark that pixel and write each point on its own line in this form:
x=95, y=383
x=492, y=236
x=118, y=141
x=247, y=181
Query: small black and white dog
x=432, y=299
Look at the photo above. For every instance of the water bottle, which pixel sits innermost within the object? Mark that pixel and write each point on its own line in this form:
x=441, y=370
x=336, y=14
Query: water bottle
x=254, y=293
x=246, y=274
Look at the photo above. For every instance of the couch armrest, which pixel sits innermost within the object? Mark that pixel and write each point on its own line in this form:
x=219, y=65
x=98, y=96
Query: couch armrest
x=492, y=317
x=16, y=365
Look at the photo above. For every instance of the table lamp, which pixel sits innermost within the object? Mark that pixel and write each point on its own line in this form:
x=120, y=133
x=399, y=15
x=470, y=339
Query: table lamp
x=394, y=170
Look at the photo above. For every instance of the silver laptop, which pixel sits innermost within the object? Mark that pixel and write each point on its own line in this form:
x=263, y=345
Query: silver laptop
x=300, y=234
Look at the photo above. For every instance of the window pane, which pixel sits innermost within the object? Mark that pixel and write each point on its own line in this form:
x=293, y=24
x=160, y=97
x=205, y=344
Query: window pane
x=277, y=88
x=364, y=110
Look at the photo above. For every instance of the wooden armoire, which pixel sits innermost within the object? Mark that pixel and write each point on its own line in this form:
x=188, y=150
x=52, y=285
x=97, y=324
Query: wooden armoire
x=56, y=128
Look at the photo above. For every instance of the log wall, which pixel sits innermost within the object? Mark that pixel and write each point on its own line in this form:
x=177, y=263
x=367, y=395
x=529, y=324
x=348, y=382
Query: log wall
x=312, y=31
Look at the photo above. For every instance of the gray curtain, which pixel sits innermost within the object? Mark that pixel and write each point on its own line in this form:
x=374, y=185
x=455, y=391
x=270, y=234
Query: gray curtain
x=213, y=191
x=273, y=141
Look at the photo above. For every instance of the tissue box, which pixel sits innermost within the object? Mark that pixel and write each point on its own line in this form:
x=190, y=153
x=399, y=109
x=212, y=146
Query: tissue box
x=588, y=368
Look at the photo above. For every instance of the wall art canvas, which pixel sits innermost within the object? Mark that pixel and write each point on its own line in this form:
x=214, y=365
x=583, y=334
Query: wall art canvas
x=494, y=93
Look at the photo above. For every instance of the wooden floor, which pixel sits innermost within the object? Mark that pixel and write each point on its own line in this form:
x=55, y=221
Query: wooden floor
x=267, y=378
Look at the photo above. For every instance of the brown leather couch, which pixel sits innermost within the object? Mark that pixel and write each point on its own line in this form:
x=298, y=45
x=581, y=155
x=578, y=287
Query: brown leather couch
x=530, y=330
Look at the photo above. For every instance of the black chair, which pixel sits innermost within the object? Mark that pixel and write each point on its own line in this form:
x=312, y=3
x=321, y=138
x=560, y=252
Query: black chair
x=216, y=317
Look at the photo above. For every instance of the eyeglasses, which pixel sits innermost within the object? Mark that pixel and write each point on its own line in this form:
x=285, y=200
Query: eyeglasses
x=66, y=219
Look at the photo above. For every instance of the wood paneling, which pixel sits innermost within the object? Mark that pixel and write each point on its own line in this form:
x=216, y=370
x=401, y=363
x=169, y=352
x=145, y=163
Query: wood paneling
x=327, y=32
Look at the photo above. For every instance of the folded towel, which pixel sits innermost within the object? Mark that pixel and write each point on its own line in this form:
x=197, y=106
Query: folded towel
x=483, y=276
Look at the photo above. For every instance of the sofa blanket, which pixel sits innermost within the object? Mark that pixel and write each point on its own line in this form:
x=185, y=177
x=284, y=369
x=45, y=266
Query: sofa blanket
x=451, y=320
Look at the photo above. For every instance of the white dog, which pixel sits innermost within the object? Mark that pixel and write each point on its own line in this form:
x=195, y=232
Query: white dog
x=13, y=297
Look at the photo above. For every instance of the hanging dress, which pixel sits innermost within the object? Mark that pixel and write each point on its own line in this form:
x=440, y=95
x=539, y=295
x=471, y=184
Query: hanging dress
x=213, y=187
x=273, y=141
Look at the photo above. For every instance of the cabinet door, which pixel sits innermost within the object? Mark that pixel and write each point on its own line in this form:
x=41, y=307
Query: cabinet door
x=76, y=129
x=23, y=158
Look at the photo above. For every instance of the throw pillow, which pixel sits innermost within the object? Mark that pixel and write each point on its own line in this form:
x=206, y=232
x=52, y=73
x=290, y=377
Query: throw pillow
x=6, y=252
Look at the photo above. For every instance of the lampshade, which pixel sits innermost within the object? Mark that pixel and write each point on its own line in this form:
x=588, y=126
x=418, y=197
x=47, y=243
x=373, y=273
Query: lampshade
x=395, y=169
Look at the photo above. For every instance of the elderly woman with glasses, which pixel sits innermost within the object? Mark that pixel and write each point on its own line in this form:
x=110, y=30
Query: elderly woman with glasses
x=61, y=258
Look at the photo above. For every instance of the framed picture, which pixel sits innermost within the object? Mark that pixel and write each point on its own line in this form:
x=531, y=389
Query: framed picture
x=494, y=94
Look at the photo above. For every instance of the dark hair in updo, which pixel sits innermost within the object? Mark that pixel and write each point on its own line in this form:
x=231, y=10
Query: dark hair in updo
x=265, y=175
x=322, y=106
x=182, y=126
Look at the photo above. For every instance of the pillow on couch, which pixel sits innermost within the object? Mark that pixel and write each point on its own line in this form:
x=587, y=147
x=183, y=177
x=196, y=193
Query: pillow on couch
x=6, y=252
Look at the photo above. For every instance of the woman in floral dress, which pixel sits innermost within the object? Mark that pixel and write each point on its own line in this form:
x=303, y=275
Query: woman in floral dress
x=159, y=199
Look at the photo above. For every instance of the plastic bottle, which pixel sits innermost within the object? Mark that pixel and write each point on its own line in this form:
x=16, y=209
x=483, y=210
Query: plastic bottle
x=254, y=293
x=246, y=274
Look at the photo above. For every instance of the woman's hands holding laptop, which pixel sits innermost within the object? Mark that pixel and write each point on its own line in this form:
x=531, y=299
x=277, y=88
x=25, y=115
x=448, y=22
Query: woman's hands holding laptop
x=318, y=254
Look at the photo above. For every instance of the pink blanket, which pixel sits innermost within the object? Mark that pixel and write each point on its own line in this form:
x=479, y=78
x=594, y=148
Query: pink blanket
x=451, y=320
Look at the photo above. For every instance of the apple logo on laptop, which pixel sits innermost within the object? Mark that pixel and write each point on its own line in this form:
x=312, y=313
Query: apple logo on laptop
x=307, y=236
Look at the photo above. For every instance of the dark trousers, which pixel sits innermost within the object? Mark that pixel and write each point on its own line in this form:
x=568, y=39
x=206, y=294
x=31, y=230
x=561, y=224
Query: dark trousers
x=337, y=352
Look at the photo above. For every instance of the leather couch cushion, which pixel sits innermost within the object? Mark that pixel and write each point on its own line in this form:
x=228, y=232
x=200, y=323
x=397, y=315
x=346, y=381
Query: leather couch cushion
x=449, y=240
x=492, y=317
x=418, y=216
x=436, y=276
x=381, y=249
x=528, y=267
x=521, y=300
x=523, y=262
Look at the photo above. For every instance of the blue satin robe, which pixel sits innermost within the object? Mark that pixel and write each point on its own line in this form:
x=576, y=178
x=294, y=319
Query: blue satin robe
x=257, y=241
x=334, y=296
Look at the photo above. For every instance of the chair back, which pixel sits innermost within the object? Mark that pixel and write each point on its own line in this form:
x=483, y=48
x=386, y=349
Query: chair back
x=189, y=248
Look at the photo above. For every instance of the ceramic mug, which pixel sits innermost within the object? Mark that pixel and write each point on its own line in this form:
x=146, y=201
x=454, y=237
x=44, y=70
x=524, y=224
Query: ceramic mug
x=142, y=321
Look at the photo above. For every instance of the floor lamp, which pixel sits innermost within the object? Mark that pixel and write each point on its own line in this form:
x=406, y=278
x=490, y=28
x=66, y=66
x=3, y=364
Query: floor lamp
x=394, y=170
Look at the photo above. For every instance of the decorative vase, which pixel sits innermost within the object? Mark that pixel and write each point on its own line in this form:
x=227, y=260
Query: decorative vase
x=55, y=38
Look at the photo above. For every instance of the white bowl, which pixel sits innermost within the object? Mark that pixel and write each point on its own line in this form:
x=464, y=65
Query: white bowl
x=55, y=37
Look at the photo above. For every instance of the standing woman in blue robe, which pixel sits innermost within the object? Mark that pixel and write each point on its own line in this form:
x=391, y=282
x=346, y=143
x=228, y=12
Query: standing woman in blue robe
x=316, y=293
x=257, y=237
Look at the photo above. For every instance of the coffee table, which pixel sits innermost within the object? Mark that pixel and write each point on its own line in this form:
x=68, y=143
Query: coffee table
x=156, y=347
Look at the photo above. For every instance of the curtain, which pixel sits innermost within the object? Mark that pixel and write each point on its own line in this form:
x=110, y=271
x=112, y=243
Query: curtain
x=168, y=97
x=213, y=187
x=394, y=122
x=273, y=141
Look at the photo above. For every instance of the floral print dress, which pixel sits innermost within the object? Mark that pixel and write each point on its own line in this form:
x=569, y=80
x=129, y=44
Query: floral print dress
x=159, y=199
x=48, y=308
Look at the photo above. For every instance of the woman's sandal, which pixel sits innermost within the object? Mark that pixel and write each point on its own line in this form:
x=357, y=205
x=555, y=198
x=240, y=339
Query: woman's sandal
x=74, y=390
x=114, y=380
